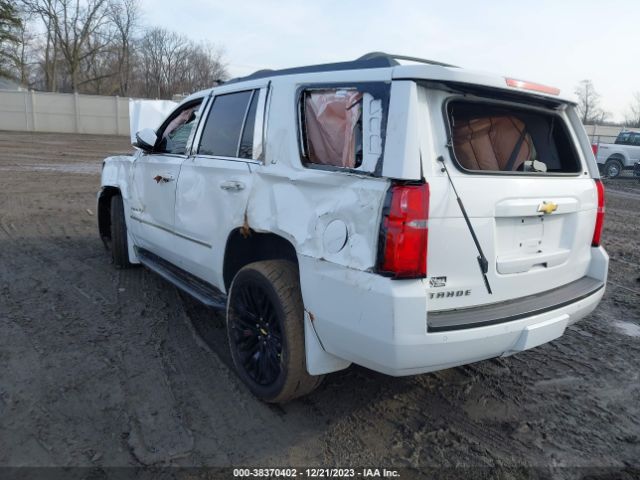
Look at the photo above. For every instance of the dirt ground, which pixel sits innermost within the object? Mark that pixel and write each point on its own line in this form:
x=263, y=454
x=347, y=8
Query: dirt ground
x=100, y=367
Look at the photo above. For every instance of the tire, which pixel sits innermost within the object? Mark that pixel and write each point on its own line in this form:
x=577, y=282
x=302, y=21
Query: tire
x=119, y=244
x=613, y=168
x=265, y=328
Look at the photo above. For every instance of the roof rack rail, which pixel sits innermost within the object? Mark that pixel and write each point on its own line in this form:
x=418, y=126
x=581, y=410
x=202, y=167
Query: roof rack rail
x=370, y=60
x=404, y=57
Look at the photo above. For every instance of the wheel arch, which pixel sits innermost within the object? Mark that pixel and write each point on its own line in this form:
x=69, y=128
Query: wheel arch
x=104, y=210
x=247, y=246
x=619, y=157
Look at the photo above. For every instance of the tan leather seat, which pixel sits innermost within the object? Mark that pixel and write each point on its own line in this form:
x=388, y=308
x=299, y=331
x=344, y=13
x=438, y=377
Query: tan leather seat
x=487, y=143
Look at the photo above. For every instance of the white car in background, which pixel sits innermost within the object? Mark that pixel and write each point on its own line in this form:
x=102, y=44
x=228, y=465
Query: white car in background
x=614, y=158
x=406, y=218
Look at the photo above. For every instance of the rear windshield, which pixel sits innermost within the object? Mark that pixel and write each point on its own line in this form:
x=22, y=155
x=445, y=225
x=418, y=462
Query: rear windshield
x=495, y=138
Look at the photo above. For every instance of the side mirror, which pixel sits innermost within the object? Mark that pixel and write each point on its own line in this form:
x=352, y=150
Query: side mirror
x=146, y=139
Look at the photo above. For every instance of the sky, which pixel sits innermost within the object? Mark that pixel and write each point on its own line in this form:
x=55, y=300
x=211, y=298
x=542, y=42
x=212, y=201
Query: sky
x=557, y=42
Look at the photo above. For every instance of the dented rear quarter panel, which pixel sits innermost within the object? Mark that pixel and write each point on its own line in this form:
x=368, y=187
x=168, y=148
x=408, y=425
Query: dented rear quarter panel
x=307, y=206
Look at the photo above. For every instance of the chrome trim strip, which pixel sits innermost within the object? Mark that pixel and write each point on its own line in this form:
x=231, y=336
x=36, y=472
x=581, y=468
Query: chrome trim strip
x=244, y=122
x=258, y=128
x=265, y=128
x=162, y=154
x=173, y=232
x=231, y=159
x=203, y=121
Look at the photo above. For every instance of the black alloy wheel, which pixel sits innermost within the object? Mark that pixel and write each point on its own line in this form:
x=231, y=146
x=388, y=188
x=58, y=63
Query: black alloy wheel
x=265, y=327
x=256, y=334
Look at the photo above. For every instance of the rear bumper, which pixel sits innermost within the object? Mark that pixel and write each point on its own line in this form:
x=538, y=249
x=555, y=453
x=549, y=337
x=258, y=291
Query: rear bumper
x=502, y=312
x=380, y=324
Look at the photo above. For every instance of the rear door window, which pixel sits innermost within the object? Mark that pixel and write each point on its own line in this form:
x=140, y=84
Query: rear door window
x=228, y=131
x=342, y=127
x=334, y=133
x=505, y=139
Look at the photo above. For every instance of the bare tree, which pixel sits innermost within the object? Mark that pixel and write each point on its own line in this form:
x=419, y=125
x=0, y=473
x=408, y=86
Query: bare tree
x=632, y=118
x=589, y=103
x=98, y=46
x=205, y=67
x=80, y=33
x=10, y=24
x=24, y=54
x=170, y=63
x=79, y=29
x=124, y=17
x=49, y=59
x=160, y=52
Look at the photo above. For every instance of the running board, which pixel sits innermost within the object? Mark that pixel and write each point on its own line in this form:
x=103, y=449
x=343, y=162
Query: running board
x=202, y=291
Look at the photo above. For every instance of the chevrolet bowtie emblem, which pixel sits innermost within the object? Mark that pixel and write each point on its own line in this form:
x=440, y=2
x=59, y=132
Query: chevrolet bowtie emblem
x=547, y=207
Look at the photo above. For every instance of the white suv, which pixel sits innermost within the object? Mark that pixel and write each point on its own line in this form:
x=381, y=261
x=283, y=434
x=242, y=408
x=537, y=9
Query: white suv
x=407, y=218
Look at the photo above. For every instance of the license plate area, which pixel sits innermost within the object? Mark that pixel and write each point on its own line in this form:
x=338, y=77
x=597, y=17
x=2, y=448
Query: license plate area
x=533, y=242
x=519, y=235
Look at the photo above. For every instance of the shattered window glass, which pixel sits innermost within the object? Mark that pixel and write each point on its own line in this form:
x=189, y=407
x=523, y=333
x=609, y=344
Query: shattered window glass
x=342, y=126
x=176, y=135
x=333, y=127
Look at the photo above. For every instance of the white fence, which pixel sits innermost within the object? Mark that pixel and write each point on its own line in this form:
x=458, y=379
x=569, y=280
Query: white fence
x=22, y=110
x=63, y=113
x=604, y=133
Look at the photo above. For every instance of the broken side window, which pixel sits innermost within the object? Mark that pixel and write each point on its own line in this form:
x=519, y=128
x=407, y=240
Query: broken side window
x=176, y=135
x=341, y=127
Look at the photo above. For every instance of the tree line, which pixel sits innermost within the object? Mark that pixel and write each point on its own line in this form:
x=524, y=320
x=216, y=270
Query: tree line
x=593, y=114
x=100, y=47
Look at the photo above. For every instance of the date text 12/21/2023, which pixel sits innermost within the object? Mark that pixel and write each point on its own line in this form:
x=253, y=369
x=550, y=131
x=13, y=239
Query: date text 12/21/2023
x=315, y=473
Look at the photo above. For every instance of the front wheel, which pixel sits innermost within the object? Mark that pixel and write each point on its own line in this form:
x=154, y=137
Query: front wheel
x=265, y=325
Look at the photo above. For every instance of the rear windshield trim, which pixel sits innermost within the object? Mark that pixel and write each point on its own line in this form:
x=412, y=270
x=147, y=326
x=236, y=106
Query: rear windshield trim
x=461, y=97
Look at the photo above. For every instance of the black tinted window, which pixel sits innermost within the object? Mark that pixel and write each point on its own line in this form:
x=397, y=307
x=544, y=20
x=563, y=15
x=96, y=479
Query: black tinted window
x=246, y=145
x=623, y=139
x=221, y=133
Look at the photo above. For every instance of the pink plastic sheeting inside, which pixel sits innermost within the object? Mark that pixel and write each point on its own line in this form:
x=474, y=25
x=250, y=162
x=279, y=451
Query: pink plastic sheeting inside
x=180, y=120
x=330, y=119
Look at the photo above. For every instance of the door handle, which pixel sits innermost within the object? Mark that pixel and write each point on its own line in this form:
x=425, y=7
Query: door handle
x=164, y=178
x=232, y=186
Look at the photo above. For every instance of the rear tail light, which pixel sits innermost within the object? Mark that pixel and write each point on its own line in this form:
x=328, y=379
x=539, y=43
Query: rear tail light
x=594, y=147
x=597, y=232
x=534, y=87
x=404, y=232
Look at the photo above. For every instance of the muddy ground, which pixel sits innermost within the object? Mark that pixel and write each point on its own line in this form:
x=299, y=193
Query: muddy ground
x=116, y=368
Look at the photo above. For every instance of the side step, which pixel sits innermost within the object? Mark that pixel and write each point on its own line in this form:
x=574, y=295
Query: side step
x=199, y=289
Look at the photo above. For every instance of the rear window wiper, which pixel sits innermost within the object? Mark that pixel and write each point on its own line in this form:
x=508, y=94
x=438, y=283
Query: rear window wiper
x=482, y=260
